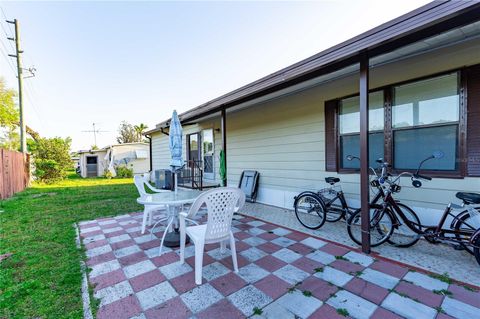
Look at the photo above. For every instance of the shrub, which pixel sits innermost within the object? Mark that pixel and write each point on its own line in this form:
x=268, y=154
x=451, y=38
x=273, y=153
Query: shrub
x=107, y=174
x=47, y=170
x=124, y=172
x=51, y=158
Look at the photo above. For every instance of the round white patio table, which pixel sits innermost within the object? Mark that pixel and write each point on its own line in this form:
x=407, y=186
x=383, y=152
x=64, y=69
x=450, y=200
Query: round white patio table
x=172, y=200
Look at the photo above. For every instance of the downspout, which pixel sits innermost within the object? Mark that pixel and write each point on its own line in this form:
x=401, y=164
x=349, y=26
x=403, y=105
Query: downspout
x=150, y=151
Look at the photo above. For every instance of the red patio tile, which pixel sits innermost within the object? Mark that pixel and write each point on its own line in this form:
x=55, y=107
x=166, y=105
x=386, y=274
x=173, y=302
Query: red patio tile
x=270, y=263
x=241, y=246
x=100, y=259
x=367, y=290
x=228, y=262
x=389, y=268
x=91, y=233
x=268, y=236
x=267, y=227
x=108, y=279
x=272, y=286
x=123, y=308
x=347, y=266
x=421, y=294
x=320, y=289
x=382, y=313
x=269, y=248
x=326, y=312
x=206, y=260
x=241, y=235
x=150, y=244
x=298, y=236
x=112, y=225
x=122, y=244
x=307, y=264
x=221, y=310
x=172, y=309
x=146, y=280
x=444, y=316
x=464, y=295
x=97, y=243
x=165, y=259
x=300, y=248
x=244, y=226
x=132, y=259
x=228, y=284
x=333, y=249
x=115, y=233
x=185, y=282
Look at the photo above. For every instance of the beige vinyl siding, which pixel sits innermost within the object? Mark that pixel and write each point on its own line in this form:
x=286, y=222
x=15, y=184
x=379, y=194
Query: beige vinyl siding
x=284, y=139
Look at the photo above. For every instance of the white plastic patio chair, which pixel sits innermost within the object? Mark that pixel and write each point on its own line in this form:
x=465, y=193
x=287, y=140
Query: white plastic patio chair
x=140, y=182
x=220, y=204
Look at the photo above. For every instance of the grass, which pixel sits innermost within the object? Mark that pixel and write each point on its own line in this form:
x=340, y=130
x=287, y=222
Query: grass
x=343, y=312
x=42, y=278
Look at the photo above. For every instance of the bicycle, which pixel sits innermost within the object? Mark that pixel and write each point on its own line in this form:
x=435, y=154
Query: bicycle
x=462, y=231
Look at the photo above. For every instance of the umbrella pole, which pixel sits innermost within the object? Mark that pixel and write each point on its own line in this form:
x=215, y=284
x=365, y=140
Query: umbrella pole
x=176, y=186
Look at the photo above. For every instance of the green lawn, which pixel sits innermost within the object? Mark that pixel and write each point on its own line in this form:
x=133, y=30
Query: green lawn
x=42, y=278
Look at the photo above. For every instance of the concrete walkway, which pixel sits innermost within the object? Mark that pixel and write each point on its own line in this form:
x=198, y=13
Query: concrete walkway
x=441, y=259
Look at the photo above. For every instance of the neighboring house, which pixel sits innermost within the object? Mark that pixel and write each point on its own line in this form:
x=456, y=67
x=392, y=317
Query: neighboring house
x=93, y=163
x=297, y=125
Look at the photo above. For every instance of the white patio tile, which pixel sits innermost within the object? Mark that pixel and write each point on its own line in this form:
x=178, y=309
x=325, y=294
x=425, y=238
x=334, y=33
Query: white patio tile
x=214, y=270
x=104, y=268
x=140, y=316
x=425, y=281
x=91, y=239
x=235, y=230
x=275, y=311
x=256, y=223
x=89, y=229
x=156, y=295
x=334, y=276
x=122, y=252
x=143, y=239
x=138, y=268
x=175, y=269
x=321, y=257
x=359, y=258
x=281, y=231
x=313, y=242
x=189, y=251
x=118, y=239
x=379, y=278
x=407, y=307
x=356, y=306
x=460, y=310
x=291, y=274
x=124, y=216
x=98, y=251
x=153, y=252
x=112, y=230
x=107, y=222
x=252, y=273
x=113, y=293
x=217, y=253
x=133, y=229
x=256, y=231
x=247, y=298
x=201, y=297
x=253, y=254
x=87, y=222
x=286, y=255
x=283, y=241
x=255, y=241
x=298, y=304
x=127, y=222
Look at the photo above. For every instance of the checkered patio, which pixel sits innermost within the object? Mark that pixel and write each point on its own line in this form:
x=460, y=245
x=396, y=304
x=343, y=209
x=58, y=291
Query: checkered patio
x=282, y=274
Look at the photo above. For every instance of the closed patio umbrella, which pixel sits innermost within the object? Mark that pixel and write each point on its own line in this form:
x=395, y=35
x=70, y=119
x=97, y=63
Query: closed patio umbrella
x=175, y=144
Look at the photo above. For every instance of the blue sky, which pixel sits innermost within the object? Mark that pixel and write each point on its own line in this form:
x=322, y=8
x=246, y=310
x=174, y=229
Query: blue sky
x=105, y=62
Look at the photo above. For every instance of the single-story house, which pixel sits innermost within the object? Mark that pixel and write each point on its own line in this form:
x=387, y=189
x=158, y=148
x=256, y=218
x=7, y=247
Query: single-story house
x=421, y=73
x=93, y=163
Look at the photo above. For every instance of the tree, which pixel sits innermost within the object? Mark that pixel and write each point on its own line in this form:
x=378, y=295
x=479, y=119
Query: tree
x=51, y=157
x=128, y=133
x=9, y=118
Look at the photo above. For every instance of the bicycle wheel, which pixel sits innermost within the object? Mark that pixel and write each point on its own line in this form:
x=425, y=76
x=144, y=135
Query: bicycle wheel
x=476, y=249
x=310, y=211
x=403, y=236
x=465, y=223
x=334, y=215
x=381, y=226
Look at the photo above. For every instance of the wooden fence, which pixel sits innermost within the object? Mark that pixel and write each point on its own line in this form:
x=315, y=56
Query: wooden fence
x=14, y=172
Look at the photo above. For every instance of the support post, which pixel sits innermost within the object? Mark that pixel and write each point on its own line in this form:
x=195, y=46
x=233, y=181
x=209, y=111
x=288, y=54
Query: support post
x=224, y=140
x=364, y=170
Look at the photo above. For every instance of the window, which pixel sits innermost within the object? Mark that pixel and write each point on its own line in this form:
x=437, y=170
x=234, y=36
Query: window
x=407, y=123
x=425, y=118
x=349, y=129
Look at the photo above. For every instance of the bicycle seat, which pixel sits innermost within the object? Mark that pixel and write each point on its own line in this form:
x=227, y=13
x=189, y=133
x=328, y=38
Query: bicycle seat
x=332, y=180
x=468, y=198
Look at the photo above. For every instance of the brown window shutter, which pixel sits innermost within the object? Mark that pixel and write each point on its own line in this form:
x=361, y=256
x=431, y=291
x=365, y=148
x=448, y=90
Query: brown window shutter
x=331, y=136
x=473, y=121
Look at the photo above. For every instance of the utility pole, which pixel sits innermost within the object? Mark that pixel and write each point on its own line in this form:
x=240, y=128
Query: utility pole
x=23, y=133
